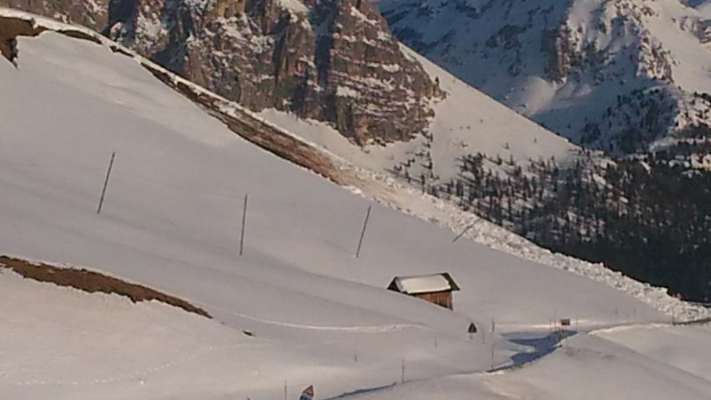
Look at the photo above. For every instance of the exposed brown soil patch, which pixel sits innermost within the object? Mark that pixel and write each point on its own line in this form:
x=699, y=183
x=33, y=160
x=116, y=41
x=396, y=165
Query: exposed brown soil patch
x=93, y=282
x=13, y=27
x=10, y=29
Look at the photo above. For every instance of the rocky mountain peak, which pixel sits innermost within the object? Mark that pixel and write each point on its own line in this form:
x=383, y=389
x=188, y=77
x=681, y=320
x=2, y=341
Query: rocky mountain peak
x=619, y=75
x=365, y=76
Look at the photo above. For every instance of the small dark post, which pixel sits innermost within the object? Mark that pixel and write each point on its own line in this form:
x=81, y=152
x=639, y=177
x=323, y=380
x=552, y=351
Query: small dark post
x=471, y=330
x=402, y=371
x=362, y=232
x=493, y=357
x=493, y=341
x=244, y=222
x=106, y=183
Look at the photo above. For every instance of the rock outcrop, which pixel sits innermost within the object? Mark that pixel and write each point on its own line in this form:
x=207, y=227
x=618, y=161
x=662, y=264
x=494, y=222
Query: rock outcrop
x=10, y=29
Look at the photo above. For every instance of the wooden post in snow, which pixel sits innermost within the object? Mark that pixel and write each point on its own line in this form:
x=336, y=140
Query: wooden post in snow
x=402, y=371
x=244, y=223
x=362, y=232
x=493, y=343
x=463, y=232
x=106, y=183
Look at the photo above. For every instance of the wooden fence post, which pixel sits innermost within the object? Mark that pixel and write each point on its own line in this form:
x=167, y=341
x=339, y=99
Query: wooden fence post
x=463, y=232
x=362, y=232
x=244, y=223
x=106, y=183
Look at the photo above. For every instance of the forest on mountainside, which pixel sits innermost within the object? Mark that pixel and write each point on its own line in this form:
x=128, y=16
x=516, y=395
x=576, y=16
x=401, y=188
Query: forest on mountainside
x=646, y=216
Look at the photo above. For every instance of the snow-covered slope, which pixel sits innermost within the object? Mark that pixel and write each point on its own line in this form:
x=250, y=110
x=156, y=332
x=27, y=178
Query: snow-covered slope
x=66, y=344
x=465, y=122
x=684, y=347
x=376, y=186
x=176, y=194
x=57, y=341
x=88, y=345
x=585, y=368
x=332, y=61
x=613, y=74
x=172, y=221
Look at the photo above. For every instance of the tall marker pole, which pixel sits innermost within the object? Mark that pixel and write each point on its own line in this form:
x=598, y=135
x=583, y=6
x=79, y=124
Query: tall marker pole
x=493, y=341
x=362, y=232
x=106, y=183
x=244, y=222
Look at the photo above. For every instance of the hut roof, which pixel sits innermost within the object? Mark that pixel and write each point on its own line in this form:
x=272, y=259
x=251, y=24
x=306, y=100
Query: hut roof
x=418, y=284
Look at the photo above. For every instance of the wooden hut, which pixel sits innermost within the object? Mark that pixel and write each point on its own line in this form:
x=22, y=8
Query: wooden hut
x=435, y=288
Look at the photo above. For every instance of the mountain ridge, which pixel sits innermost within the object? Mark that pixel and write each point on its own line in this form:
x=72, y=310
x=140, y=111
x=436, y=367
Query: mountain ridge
x=623, y=76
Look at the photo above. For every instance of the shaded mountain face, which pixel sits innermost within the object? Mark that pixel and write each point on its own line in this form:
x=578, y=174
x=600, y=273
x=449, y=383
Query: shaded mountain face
x=620, y=75
x=333, y=61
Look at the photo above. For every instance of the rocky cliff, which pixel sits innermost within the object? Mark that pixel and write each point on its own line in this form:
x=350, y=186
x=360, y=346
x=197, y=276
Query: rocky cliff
x=333, y=61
